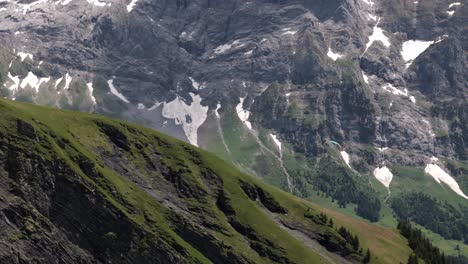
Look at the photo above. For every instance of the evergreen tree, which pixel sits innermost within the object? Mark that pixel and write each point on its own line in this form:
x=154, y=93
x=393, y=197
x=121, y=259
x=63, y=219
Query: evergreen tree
x=355, y=243
x=367, y=257
x=330, y=223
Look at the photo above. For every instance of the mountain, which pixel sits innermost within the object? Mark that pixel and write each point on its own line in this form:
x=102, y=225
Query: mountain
x=80, y=188
x=360, y=106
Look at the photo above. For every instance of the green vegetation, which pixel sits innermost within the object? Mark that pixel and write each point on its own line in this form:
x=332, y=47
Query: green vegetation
x=226, y=215
x=423, y=248
x=340, y=184
x=427, y=211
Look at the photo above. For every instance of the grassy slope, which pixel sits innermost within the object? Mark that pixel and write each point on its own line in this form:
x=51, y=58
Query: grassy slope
x=81, y=130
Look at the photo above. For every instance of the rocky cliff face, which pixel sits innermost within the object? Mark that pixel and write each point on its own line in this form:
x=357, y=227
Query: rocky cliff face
x=269, y=85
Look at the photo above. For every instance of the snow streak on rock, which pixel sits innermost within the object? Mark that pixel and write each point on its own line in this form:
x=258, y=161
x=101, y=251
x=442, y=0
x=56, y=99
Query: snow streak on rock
x=345, y=157
x=90, y=90
x=115, y=92
x=441, y=176
x=191, y=117
x=218, y=106
x=276, y=140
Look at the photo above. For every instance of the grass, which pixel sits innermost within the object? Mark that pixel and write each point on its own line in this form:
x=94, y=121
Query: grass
x=414, y=180
x=85, y=138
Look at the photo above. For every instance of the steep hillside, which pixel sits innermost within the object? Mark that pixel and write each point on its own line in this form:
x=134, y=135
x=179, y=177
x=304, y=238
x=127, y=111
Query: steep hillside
x=82, y=188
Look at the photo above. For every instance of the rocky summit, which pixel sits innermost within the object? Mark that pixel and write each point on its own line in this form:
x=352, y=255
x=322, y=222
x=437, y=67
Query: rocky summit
x=358, y=105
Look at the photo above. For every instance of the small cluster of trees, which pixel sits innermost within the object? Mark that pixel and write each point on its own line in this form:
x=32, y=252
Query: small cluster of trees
x=353, y=240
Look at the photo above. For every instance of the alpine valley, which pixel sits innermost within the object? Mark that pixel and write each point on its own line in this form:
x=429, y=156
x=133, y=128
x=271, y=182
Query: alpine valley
x=357, y=108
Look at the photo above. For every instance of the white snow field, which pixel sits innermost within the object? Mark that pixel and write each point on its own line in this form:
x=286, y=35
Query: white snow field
x=191, y=117
x=383, y=175
x=441, y=176
x=411, y=49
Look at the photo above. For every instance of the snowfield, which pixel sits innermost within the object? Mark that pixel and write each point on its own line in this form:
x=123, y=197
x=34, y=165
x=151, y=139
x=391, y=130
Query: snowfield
x=191, y=117
x=383, y=175
x=411, y=49
x=441, y=176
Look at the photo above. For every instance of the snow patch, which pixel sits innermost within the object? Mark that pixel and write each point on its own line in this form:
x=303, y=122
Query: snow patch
x=372, y=17
x=450, y=13
x=365, y=77
x=225, y=47
x=141, y=106
x=243, y=114
x=26, y=7
x=332, y=55
x=30, y=79
x=345, y=157
x=412, y=99
x=115, y=92
x=91, y=89
x=440, y=175
x=382, y=149
x=58, y=81
x=191, y=117
x=24, y=55
x=390, y=88
x=68, y=80
x=15, y=80
x=196, y=84
x=248, y=53
x=434, y=159
x=383, y=175
x=289, y=32
x=369, y=2
x=411, y=49
x=131, y=5
x=454, y=4
x=156, y=105
x=378, y=35
x=98, y=3
x=218, y=106
x=276, y=140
